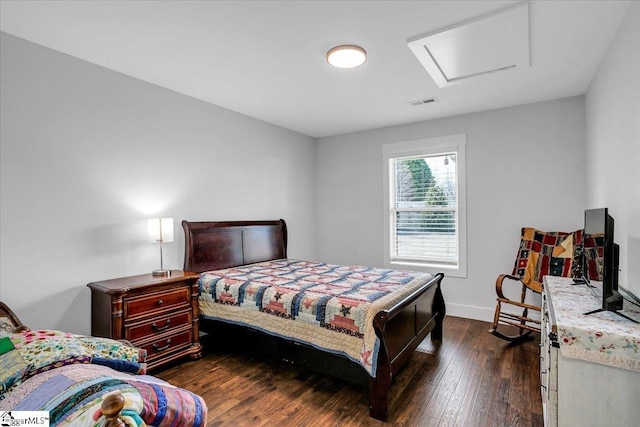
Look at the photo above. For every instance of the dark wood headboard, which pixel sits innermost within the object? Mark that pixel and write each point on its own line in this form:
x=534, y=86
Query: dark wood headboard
x=216, y=245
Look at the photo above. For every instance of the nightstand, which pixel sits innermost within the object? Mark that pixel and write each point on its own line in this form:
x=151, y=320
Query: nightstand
x=159, y=314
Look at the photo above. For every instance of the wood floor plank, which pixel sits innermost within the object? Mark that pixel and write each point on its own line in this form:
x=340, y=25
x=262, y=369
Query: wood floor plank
x=520, y=412
x=471, y=379
x=471, y=391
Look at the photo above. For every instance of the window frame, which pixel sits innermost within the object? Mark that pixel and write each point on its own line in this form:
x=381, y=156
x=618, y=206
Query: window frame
x=428, y=147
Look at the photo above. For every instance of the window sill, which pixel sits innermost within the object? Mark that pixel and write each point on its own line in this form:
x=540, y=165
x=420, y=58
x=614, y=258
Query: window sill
x=448, y=270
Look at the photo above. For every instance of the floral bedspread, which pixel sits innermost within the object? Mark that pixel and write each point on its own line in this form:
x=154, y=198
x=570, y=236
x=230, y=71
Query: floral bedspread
x=28, y=353
x=603, y=337
x=327, y=306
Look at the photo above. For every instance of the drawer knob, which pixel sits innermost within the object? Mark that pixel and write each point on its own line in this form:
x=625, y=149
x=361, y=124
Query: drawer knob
x=160, y=328
x=156, y=347
x=160, y=302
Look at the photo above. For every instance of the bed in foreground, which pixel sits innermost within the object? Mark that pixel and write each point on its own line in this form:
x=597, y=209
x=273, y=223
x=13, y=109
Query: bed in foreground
x=86, y=381
x=356, y=323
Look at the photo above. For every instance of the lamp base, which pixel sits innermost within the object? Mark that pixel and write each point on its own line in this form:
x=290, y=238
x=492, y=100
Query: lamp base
x=161, y=273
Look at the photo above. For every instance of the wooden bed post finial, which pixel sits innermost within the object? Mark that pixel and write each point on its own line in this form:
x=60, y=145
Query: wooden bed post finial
x=111, y=406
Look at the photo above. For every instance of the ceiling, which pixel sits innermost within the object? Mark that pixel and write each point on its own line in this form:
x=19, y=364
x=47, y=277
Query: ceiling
x=266, y=59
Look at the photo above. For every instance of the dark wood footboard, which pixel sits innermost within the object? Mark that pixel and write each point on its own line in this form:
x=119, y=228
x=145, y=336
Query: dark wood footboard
x=400, y=330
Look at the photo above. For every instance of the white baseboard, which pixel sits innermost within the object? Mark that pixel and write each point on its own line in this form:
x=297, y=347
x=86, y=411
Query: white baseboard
x=470, y=312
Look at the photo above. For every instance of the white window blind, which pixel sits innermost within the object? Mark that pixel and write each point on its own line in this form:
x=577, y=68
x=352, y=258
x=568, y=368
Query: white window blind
x=425, y=205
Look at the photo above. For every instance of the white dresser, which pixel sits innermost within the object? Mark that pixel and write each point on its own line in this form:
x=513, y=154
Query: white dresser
x=589, y=365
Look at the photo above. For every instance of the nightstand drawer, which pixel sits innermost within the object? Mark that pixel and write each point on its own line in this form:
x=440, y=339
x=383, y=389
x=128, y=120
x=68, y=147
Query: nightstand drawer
x=157, y=325
x=144, y=305
x=166, y=344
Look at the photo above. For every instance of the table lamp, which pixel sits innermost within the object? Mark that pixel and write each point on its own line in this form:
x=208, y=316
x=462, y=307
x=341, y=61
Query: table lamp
x=160, y=231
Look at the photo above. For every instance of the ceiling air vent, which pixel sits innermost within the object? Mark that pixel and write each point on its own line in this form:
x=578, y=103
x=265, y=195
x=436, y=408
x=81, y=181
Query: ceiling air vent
x=422, y=101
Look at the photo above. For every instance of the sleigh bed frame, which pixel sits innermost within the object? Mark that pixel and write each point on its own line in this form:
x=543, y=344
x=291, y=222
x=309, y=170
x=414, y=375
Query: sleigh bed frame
x=400, y=329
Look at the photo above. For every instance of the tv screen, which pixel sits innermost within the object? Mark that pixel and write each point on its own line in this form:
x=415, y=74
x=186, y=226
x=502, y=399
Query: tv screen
x=601, y=255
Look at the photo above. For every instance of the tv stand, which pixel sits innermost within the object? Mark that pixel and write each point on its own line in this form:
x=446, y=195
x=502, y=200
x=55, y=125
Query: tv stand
x=612, y=311
x=613, y=303
x=580, y=384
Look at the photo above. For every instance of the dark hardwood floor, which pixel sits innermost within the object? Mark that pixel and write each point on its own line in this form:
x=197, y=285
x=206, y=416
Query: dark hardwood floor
x=471, y=379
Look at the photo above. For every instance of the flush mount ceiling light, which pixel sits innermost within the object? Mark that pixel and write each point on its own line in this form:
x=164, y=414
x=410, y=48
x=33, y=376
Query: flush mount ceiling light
x=346, y=56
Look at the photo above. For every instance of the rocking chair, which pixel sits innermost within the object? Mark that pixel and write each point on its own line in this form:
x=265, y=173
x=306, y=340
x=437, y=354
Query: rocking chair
x=540, y=254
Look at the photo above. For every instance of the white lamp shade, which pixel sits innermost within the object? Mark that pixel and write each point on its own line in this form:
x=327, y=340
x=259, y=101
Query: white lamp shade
x=160, y=230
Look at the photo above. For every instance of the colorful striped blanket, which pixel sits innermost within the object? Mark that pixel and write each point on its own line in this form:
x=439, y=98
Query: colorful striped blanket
x=330, y=307
x=73, y=394
x=68, y=375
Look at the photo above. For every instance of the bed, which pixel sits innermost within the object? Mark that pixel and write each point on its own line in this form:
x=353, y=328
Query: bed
x=85, y=381
x=304, y=312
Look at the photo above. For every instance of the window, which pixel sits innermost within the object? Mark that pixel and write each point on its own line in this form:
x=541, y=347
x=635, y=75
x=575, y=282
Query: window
x=425, y=217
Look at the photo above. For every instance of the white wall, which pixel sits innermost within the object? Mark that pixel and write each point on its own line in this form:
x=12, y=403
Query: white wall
x=613, y=142
x=525, y=167
x=88, y=154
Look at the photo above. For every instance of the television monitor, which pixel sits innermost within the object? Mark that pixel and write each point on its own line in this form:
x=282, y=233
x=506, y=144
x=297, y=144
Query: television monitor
x=601, y=257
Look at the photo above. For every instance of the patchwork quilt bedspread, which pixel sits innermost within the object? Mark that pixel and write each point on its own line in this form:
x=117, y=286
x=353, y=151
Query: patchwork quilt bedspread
x=68, y=375
x=73, y=394
x=328, y=306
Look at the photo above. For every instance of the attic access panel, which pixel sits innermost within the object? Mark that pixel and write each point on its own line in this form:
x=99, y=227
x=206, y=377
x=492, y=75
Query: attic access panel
x=494, y=42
